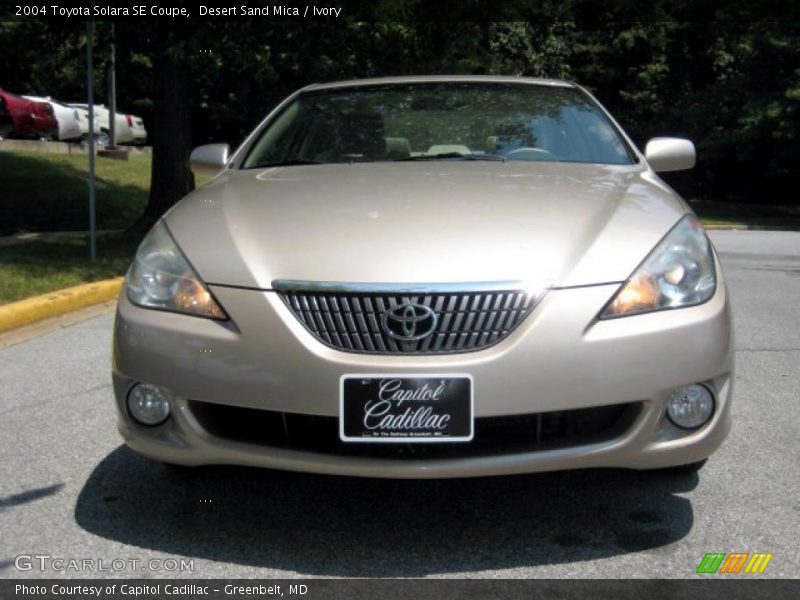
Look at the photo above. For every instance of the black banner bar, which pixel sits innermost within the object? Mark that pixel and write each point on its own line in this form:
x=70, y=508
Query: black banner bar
x=734, y=588
x=589, y=12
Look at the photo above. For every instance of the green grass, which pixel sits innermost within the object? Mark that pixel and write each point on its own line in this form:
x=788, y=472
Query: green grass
x=39, y=267
x=49, y=192
x=729, y=215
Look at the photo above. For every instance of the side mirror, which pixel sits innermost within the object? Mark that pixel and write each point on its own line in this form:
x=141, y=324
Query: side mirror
x=209, y=159
x=669, y=154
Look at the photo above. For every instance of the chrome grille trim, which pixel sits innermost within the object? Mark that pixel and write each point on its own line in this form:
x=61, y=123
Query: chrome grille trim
x=301, y=285
x=349, y=318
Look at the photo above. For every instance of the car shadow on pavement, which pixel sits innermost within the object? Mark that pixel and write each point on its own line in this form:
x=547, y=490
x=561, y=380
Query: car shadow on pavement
x=335, y=526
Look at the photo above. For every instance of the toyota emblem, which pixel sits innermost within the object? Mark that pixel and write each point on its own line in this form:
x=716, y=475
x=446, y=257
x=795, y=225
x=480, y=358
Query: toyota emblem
x=409, y=322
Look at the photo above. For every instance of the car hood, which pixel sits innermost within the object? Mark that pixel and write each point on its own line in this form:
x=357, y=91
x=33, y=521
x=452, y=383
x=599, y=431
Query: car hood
x=555, y=224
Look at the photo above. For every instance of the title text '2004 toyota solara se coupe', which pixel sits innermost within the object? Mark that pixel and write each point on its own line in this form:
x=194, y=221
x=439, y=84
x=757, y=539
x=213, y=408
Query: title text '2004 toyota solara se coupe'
x=429, y=277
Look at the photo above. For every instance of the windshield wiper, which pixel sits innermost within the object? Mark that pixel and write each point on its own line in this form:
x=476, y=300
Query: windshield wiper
x=440, y=156
x=451, y=155
x=291, y=162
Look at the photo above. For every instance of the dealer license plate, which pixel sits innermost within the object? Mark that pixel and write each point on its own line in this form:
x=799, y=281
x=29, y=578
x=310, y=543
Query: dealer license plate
x=405, y=408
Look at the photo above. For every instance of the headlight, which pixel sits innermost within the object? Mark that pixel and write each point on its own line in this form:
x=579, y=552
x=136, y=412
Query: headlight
x=678, y=272
x=161, y=277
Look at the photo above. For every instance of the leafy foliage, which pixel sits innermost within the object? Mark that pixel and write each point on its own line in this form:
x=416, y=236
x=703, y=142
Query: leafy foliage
x=714, y=74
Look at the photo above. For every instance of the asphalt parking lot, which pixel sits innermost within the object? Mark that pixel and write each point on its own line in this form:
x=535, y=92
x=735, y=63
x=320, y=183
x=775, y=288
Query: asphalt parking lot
x=69, y=489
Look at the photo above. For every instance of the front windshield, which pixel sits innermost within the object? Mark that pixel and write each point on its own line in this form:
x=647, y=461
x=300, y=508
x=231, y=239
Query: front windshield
x=440, y=121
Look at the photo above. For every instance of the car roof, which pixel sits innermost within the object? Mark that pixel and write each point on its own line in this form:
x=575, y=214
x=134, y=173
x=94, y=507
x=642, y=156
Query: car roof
x=439, y=79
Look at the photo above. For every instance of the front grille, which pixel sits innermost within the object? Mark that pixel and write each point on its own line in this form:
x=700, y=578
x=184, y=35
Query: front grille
x=515, y=434
x=464, y=321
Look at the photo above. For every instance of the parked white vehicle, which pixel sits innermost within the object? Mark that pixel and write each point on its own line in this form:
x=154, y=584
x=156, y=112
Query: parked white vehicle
x=139, y=131
x=83, y=121
x=129, y=128
x=67, y=117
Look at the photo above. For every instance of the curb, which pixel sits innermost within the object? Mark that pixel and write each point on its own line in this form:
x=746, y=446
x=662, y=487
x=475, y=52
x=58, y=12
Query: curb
x=734, y=227
x=725, y=227
x=59, y=302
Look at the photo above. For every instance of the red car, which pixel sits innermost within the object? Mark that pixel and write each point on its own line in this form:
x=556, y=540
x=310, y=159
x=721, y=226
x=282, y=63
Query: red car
x=20, y=117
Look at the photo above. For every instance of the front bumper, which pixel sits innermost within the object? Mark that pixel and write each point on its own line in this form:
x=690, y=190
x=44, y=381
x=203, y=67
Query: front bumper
x=560, y=358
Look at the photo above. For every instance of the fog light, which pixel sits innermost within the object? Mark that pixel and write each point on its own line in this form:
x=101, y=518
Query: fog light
x=690, y=406
x=148, y=404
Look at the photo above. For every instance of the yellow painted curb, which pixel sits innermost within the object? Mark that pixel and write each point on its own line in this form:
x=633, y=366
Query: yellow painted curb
x=30, y=310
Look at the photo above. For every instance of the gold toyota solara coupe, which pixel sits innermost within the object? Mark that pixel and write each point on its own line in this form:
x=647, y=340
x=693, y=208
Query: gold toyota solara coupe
x=427, y=277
